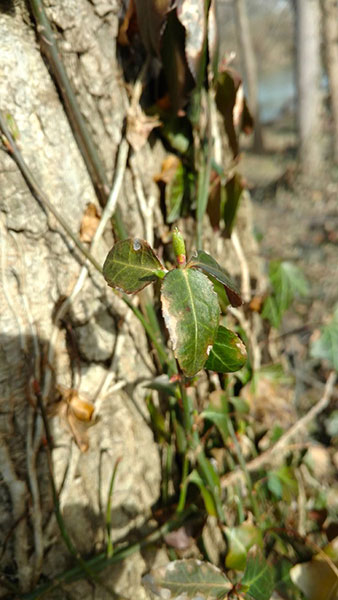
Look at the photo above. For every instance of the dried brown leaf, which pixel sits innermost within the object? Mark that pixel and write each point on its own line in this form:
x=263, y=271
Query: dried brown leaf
x=139, y=127
x=168, y=169
x=128, y=26
x=89, y=223
x=78, y=414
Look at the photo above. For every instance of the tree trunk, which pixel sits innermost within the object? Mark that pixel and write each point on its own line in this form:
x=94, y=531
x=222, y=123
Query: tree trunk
x=308, y=75
x=249, y=67
x=98, y=347
x=330, y=22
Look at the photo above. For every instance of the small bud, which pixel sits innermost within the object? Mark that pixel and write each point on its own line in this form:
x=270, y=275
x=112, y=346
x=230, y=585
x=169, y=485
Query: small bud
x=179, y=247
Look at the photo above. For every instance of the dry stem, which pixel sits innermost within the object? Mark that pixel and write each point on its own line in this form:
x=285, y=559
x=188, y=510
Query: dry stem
x=277, y=452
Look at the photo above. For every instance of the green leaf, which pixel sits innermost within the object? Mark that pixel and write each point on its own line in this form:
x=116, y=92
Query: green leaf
x=131, y=265
x=281, y=574
x=274, y=484
x=174, y=193
x=288, y=283
x=202, y=260
x=240, y=540
x=326, y=347
x=228, y=353
x=157, y=421
x=208, y=500
x=162, y=384
x=178, y=133
x=151, y=15
x=288, y=482
x=177, y=74
x=258, y=578
x=218, y=415
x=188, y=579
x=233, y=188
x=191, y=313
x=228, y=84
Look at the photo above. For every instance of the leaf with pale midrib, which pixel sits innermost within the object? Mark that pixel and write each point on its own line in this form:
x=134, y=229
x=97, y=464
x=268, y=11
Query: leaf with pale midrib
x=191, y=313
x=190, y=579
x=131, y=265
x=258, y=580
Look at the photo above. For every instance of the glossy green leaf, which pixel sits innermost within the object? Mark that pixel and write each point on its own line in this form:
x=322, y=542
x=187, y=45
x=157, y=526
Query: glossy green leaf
x=233, y=190
x=131, y=265
x=191, y=313
x=189, y=578
x=202, y=260
x=258, y=579
x=288, y=283
x=240, y=540
x=228, y=353
x=326, y=347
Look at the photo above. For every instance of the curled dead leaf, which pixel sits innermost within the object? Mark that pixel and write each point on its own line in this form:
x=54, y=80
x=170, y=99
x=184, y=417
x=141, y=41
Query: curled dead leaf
x=128, y=25
x=139, y=127
x=89, y=223
x=168, y=169
x=77, y=412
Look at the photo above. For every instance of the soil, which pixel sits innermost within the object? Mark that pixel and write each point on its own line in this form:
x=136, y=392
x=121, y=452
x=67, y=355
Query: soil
x=295, y=220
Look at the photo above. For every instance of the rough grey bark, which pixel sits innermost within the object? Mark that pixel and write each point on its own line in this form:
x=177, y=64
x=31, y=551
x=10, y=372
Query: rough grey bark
x=330, y=22
x=309, y=108
x=249, y=66
x=39, y=266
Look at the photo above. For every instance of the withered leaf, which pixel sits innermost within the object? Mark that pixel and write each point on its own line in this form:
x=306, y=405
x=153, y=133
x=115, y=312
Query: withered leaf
x=89, y=223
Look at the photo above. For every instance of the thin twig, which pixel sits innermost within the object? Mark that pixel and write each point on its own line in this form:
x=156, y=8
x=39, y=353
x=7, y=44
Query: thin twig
x=40, y=196
x=145, y=208
x=63, y=530
x=31, y=452
x=98, y=563
x=106, y=216
x=5, y=286
x=245, y=273
x=278, y=450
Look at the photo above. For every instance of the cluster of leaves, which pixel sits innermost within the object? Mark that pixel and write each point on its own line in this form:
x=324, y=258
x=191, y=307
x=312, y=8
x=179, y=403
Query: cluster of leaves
x=192, y=92
x=193, y=89
x=196, y=579
x=189, y=303
x=257, y=553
